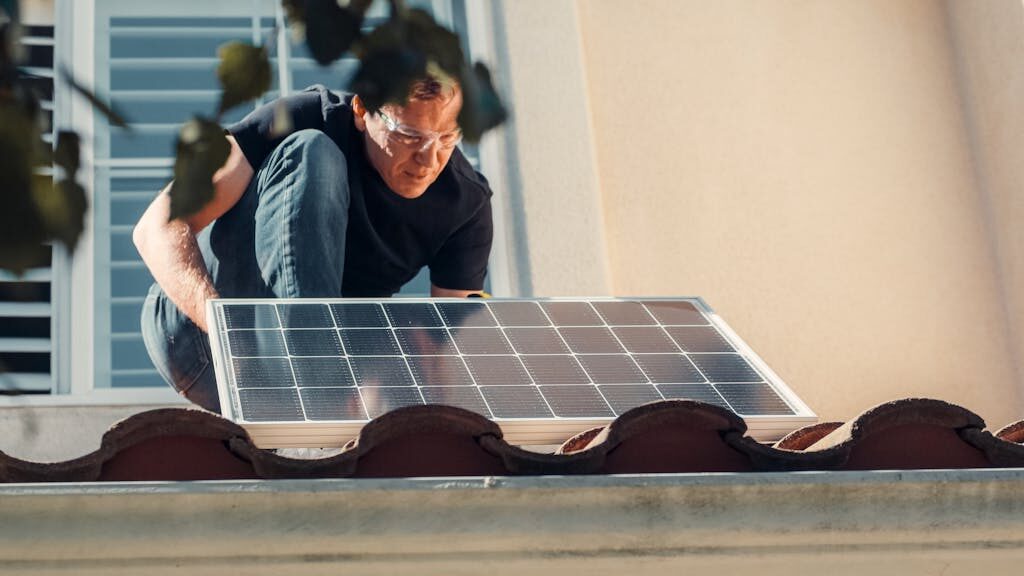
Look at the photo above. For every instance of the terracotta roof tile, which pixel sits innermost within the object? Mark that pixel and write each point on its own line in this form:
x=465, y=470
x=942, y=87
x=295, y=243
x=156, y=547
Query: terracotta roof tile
x=906, y=434
x=668, y=436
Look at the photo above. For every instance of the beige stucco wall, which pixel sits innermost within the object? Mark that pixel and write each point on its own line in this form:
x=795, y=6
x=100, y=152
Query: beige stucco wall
x=989, y=41
x=806, y=167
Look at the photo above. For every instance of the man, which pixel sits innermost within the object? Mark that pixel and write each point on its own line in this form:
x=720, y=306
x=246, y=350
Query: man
x=350, y=203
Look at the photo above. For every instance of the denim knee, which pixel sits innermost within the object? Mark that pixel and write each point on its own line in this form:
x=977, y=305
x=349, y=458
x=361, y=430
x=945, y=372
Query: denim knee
x=180, y=351
x=302, y=216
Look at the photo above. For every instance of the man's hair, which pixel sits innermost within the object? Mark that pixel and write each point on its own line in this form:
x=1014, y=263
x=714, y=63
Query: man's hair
x=433, y=88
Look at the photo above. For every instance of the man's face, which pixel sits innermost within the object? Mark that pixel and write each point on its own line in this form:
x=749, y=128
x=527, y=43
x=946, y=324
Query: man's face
x=410, y=146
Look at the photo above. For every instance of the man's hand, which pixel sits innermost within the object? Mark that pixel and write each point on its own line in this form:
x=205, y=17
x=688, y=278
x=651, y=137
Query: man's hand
x=437, y=292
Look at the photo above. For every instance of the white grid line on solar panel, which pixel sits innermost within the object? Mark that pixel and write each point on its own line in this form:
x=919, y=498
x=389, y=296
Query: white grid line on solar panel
x=351, y=370
x=569, y=348
x=644, y=372
x=712, y=383
x=295, y=381
x=530, y=376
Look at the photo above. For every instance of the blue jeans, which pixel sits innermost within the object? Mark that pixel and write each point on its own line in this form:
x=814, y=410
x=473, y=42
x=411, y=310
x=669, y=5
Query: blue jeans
x=285, y=238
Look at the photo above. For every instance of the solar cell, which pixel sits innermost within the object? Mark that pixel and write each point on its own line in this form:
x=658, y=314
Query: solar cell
x=624, y=313
x=369, y=342
x=703, y=392
x=312, y=342
x=699, y=339
x=519, y=314
x=498, y=370
x=333, y=404
x=554, y=370
x=671, y=313
x=668, y=368
x=576, y=401
x=327, y=371
x=412, y=315
x=612, y=368
x=359, y=315
x=481, y=341
x=270, y=404
x=536, y=341
x=262, y=372
x=330, y=362
x=572, y=314
x=591, y=340
x=725, y=368
x=305, y=316
x=250, y=316
x=426, y=341
x=463, y=314
x=380, y=400
x=381, y=371
x=439, y=371
x=758, y=398
x=623, y=397
x=460, y=396
x=645, y=340
x=516, y=402
x=256, y=343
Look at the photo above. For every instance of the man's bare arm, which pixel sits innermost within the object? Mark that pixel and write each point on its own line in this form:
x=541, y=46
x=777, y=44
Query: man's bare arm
x=170, y=250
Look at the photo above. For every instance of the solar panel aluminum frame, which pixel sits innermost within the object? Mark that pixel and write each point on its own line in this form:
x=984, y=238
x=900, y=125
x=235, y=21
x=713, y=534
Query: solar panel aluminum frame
x=521, y=431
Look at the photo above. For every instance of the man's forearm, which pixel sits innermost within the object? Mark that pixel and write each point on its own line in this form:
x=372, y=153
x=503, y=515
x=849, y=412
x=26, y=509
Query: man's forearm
x=172, y=254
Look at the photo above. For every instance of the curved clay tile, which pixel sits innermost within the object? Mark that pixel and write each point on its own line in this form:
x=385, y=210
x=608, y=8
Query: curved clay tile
x=429, y=440
x=162, y=444
x=669, y=436
x=906, y=434
x=579, y=441
x=802, y=438
x=1012, y=432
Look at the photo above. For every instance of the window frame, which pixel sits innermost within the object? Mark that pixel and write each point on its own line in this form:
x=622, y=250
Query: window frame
x=75, y=348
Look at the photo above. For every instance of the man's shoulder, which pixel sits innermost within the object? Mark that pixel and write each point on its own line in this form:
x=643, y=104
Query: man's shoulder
x=329, y=101
x=467, y=178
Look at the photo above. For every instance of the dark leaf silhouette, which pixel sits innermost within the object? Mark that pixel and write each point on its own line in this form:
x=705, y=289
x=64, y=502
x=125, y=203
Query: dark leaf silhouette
x=387, y=76
x=21, y=229
x=401, y=51
x=104, y=108
x=68, y=155
x=330, y=29
x=202, y=150
x=244, y=73
x=62, y=207
x=438, y=44
x=481, y=107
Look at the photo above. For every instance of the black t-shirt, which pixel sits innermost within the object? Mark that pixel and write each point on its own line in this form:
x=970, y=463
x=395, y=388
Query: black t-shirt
x=390, y=238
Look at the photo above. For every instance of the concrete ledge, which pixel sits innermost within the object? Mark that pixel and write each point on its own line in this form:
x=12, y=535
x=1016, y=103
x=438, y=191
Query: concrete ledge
x=918, y=522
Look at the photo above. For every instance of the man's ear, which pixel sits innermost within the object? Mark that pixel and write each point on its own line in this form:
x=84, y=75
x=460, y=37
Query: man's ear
x=359, y=113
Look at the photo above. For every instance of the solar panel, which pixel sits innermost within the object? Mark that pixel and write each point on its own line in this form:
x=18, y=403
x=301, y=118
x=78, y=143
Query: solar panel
x=313, y=372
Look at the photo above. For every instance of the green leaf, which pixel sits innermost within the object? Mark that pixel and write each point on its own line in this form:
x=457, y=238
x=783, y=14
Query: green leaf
x=22, y=232
x=408, y=47
x=201, y=150
x=244, y=73
x=67, y=154
x=62, y=207
x=387, y=76
x=438, y=44
x=482, y=109
x=115, y=118
x=330, y=29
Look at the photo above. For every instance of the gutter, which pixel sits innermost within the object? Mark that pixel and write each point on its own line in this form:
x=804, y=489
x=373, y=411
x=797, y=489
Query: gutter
x=907, y=522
